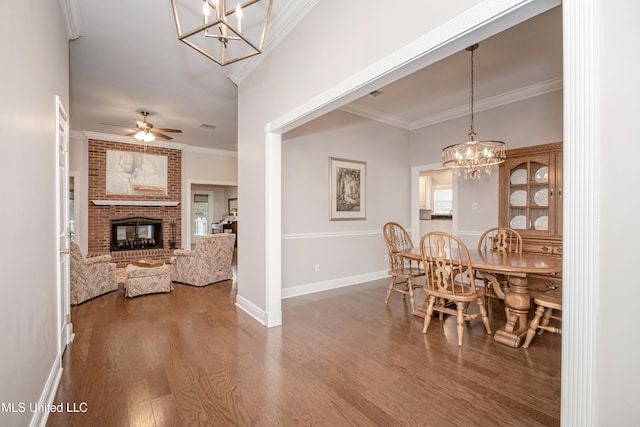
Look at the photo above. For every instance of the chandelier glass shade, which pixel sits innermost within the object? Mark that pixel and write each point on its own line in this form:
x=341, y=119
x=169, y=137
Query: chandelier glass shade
x=473, y=157
x=224, y=36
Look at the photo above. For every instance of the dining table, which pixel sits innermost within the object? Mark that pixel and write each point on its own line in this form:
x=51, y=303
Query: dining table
x=516, y=267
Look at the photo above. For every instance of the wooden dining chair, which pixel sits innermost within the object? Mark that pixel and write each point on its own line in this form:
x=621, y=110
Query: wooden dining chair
x=403, y=272
x=549, y=307
x=444, y=256
x=498, y=239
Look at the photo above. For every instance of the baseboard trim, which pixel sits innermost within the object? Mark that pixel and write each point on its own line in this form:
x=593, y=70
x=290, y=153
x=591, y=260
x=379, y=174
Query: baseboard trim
x=251, y=309
x=326, y=285
x=39, y=418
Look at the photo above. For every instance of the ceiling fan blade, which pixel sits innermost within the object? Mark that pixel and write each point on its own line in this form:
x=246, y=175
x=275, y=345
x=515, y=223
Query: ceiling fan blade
x=160, y=134
x=141, y=124
x=168, y=130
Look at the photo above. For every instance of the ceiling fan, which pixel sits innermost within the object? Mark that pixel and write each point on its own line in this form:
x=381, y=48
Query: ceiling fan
x=144, y=131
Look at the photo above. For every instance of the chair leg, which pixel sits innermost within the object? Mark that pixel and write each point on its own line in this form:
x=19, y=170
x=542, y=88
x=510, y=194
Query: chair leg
x=390, y=289
x=485, y=317
x=545, y=319
x=460, y=321
x=533, y=326
x=428, y=314
x=411, y=301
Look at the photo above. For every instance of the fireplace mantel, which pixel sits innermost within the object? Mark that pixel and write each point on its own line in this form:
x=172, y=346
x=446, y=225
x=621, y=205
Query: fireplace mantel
x=134, y=203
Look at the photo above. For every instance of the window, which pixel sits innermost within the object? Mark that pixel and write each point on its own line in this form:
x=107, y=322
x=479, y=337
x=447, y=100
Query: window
x=443, y=201
x=201, y=214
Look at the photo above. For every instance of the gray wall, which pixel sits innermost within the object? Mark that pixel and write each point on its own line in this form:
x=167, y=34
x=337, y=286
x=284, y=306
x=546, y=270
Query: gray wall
x=34, y=43
x=533, y=121
x=345, y=252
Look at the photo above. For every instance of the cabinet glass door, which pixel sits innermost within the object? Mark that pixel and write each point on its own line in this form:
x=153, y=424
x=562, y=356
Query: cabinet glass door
x=529, y=196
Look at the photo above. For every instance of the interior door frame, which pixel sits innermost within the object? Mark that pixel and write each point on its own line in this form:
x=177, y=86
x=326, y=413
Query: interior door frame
x=415, y=199
x=62, y=218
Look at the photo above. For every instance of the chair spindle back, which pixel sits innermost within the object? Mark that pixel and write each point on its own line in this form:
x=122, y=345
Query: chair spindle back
x=447, y=265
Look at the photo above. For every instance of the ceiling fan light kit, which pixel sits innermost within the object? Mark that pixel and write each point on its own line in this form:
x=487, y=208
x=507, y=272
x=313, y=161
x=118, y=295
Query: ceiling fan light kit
x=473, y=156
x=219, y=36
x=145, y=136
x=145, y=132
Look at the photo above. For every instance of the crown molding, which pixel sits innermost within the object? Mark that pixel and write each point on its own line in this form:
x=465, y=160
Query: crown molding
x=210, y=151
x=73, y=18
x=128, y=140
x=281, y=26
x=378, y=116
x=506, y=98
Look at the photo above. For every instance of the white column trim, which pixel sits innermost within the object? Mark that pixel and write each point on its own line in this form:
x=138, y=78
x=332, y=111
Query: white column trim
x=273, y=227
x=581, y=175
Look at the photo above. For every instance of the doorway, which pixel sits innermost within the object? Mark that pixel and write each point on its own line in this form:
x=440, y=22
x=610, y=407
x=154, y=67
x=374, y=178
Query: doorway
x=436, y=196
x=201, y=214
x=208, y=206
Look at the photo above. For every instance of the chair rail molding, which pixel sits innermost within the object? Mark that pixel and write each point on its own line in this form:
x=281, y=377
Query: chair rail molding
x=323, y=235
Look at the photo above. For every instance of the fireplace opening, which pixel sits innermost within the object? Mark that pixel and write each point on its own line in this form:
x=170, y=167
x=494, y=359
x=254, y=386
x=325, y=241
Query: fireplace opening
x=136, y=233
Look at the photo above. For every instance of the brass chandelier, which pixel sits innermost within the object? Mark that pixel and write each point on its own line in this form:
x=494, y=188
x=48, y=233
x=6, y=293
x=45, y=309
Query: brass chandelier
x=216, y=34
x=474, y=157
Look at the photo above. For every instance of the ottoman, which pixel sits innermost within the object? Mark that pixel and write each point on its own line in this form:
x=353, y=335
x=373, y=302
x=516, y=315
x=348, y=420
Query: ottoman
x=147, y=280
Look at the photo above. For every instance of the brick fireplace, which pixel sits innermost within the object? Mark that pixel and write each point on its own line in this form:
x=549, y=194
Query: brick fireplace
x=105, y=208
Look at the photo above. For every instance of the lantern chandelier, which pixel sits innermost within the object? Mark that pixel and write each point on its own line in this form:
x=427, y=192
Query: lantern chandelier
x=474, y=157
x=216, y=34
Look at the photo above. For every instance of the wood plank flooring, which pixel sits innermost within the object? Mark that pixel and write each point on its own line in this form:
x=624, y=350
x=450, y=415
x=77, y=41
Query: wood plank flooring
x=341, y=358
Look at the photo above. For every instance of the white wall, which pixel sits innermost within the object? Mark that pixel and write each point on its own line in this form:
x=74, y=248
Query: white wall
x=35, y=71
x=618, y=349
x=209, y=166
x=345, y=250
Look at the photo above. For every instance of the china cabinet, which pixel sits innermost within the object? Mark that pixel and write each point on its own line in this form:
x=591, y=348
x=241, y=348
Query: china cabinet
x=530, y=198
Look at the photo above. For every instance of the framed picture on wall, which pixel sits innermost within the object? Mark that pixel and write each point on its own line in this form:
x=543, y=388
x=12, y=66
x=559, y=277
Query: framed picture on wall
x=133, y=173
x=347, y=189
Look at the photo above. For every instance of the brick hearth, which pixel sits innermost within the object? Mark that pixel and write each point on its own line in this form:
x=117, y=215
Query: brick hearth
x=100, y=216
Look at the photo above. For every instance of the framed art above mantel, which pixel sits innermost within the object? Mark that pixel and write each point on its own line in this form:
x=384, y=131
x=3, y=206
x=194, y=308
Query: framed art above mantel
x=347, y=189
x=135, y=174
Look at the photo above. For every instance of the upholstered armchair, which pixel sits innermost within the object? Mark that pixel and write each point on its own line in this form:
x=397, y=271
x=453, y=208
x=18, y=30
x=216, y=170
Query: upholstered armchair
x=91, y=276
x=210, y=262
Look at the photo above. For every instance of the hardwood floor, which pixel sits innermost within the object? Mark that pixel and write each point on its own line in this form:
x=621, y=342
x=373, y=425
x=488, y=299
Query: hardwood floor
x=342, y=357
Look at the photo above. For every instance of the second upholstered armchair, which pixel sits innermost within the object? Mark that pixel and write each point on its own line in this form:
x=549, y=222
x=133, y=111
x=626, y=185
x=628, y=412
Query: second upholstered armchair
x=210, y=262
x=91, y=276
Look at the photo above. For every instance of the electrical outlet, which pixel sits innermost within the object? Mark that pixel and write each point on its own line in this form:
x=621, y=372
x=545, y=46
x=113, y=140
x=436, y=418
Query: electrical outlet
x=317, y=268
x=474, y=205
